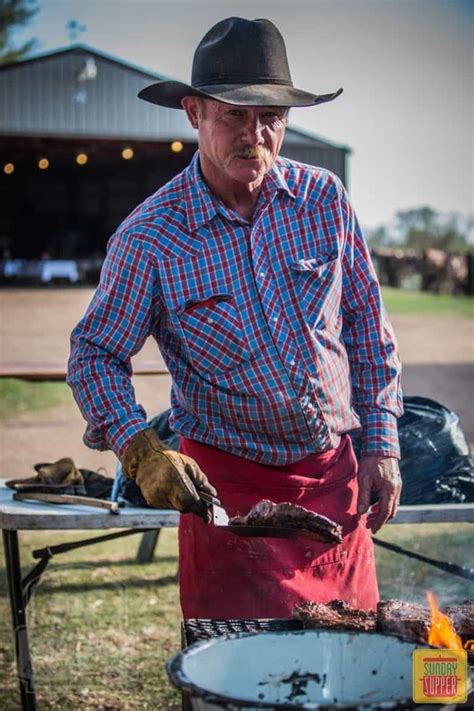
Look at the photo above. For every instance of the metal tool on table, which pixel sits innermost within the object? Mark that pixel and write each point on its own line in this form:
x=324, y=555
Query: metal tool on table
x=220, y=518
x=114, y=496
x=70, y=499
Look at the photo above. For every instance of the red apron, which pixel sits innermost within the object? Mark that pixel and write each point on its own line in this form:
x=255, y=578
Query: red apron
x=224, y=576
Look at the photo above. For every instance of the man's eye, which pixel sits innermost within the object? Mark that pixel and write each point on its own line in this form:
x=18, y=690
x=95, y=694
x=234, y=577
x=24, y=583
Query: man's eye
x=234, y=112
x=271, y=116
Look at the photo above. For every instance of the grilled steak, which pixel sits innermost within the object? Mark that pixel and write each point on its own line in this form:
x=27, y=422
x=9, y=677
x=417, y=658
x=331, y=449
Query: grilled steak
x=403, y=618
x=406, y=619
x=462, y=617
x=336, y=615
x=286, y=515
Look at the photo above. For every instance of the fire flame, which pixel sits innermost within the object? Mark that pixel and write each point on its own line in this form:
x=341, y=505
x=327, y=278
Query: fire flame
x=441, y=632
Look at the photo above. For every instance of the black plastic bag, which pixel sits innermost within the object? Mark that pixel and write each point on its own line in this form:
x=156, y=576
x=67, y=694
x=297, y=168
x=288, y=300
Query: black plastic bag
x=436, y=462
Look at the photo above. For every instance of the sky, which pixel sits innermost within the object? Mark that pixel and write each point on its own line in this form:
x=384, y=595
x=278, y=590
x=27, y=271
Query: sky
x=406, y=67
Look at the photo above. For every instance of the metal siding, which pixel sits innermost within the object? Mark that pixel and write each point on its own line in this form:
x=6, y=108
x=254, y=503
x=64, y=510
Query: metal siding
x=331, y=159
x=299, y=138
x=39, y=98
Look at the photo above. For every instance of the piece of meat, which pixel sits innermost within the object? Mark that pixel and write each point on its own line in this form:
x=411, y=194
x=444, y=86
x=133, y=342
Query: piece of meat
x=462, y=617
x=335, y=615
x=399, y=617
x=406, y=619
x=287, y=515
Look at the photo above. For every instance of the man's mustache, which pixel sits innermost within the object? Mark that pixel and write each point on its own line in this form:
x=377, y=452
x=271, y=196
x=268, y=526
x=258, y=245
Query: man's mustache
x=249, y=152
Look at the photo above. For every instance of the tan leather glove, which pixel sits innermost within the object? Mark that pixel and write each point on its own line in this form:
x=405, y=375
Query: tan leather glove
x=167, y=479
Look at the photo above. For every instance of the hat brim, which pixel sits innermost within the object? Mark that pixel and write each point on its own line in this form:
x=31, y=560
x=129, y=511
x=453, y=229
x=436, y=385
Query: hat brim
x=170, y=93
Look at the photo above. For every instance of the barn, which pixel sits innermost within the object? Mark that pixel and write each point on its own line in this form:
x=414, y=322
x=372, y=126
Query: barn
x=78, y=151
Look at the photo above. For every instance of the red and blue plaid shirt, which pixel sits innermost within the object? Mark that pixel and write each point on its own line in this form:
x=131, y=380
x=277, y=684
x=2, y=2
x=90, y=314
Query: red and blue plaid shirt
x=273, y=328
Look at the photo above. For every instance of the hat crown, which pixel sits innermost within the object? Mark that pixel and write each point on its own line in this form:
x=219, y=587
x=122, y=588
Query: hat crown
x=239, y=51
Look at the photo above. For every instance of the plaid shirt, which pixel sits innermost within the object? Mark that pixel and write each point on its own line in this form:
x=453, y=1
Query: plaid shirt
x=272, y=328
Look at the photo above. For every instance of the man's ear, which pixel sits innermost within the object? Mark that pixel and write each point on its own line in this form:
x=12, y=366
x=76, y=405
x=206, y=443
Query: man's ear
x=191, y=105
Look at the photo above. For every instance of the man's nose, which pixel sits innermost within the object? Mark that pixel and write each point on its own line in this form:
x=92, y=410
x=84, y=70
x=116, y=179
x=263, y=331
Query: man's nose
x=252, y=132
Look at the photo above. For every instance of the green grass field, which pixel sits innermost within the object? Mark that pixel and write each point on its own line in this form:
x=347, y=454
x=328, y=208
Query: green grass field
x=102, y=627
x=18, y=396
x=416, y=303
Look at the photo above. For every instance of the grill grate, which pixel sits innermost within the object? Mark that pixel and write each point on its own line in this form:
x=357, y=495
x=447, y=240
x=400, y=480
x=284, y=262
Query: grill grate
x=195, y=630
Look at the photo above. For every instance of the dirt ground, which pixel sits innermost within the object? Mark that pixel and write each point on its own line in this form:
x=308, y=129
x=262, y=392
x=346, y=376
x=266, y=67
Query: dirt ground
x=437, y=355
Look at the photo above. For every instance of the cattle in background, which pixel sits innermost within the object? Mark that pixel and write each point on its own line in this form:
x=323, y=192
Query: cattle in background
x=430, y=270
x=444, y=273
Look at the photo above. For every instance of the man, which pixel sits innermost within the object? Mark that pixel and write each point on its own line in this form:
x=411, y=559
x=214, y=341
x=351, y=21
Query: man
x=251, y=273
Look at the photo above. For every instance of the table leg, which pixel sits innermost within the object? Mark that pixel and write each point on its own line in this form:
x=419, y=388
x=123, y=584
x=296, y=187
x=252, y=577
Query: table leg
x=20, y=630
x=146, y=549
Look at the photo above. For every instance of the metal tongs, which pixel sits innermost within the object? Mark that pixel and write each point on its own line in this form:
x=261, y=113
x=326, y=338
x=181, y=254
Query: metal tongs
x=220, y=518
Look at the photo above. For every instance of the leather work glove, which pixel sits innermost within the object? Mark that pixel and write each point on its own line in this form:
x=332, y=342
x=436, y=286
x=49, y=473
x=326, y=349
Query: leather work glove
x=167, y=479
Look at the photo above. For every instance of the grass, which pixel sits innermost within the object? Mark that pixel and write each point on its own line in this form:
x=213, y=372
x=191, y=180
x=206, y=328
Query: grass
x=18, y=396
x=102, y=627
x=416, y=303
x=402, y=577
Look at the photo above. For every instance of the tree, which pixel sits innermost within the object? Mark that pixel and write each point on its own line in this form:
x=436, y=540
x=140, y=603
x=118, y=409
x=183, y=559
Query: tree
x=15, y=14
x=378, y=236
x=417, y=226
x=423, y=227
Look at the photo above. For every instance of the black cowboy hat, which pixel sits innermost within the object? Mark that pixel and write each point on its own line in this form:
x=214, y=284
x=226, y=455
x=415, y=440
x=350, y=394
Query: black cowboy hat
x=238, y=62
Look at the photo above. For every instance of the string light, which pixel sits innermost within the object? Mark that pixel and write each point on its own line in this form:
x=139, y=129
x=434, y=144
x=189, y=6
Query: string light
x=81, y=159
x=43, y=164
x=127, y=153
x=177, y=146
x=8, y=168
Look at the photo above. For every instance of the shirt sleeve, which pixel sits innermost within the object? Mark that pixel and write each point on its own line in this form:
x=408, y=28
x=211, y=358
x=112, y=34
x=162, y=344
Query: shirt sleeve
x=370, y=343
x=114, y=328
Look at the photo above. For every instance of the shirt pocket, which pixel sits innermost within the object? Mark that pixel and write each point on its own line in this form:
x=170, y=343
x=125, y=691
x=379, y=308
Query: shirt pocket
x=213, y=333
x=318, y=286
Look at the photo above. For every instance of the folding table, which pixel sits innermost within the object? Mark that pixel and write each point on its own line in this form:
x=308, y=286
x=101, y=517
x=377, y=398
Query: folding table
x=34, y=516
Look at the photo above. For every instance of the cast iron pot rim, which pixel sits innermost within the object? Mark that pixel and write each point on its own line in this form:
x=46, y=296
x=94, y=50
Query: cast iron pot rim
x=173, y=668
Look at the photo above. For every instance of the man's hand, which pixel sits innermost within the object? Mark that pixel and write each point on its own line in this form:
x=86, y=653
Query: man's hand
x=167, y=479
x=382, y=475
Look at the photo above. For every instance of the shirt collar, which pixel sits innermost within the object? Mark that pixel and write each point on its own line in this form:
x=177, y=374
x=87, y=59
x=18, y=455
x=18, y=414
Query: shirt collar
x=275, y=179
x=200, y=202
x=202, y=205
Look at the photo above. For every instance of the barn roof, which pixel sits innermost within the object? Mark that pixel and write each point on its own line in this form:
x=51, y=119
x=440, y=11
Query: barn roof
x=81, y=91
